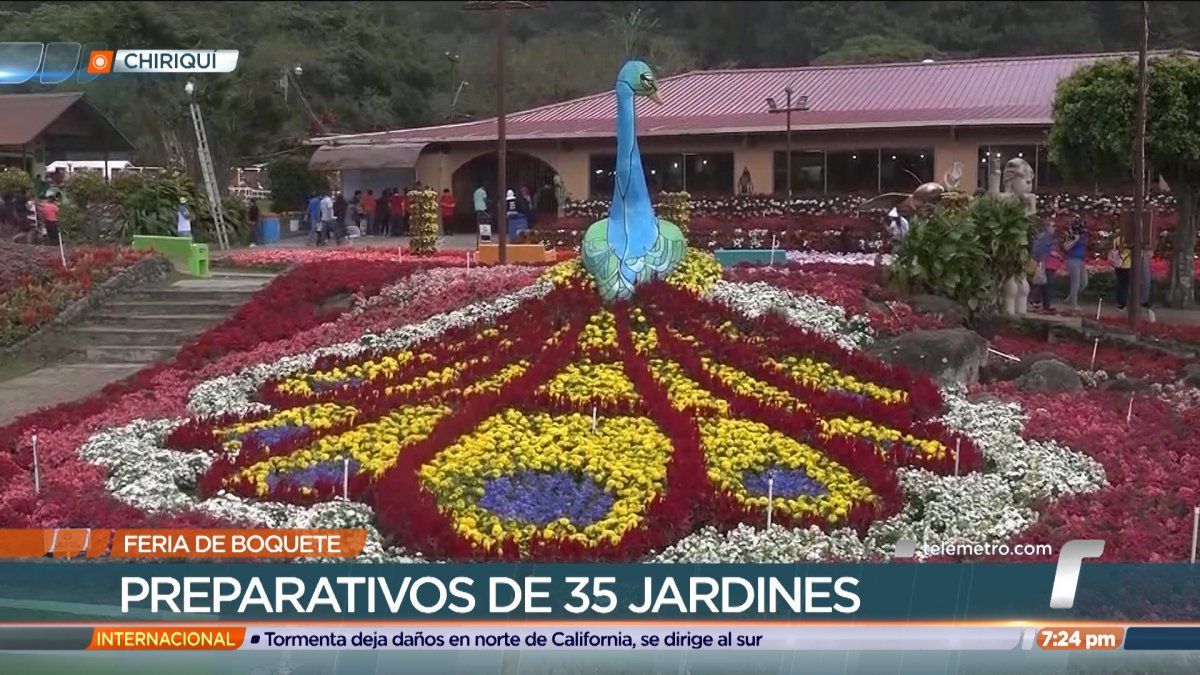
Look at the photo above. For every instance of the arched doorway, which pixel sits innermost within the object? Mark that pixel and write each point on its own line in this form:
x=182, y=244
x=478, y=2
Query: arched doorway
x=521, y=169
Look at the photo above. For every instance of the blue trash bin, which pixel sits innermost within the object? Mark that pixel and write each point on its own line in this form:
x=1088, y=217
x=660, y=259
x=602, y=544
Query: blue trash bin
x=517, y=223
x=268, y=230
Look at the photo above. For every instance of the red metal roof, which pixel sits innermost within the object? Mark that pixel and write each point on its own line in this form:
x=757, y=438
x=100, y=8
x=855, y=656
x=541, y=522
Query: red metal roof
x=991, y=92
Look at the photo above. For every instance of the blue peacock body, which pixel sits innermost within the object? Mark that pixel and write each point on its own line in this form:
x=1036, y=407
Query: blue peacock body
x=632, y=245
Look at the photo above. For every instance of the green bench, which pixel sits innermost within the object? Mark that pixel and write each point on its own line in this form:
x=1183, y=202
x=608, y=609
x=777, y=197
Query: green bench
x=180, y=250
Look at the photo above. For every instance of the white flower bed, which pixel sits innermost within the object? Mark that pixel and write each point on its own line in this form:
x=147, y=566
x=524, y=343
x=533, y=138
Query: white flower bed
x=984, y=507
x=811, y=257
x=814, y=314
x=145, y=475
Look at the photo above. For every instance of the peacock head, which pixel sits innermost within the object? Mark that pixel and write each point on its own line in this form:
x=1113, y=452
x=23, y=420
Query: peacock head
x=640, y=79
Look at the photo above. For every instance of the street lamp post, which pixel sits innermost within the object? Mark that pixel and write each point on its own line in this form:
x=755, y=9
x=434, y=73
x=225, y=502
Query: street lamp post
x=800, y=105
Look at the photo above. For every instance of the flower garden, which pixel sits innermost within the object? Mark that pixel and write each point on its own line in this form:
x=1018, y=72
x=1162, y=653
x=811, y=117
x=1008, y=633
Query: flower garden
x=35, y=285
x=501, y=413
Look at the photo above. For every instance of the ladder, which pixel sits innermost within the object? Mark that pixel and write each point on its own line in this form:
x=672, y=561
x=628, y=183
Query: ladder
x=210, y=178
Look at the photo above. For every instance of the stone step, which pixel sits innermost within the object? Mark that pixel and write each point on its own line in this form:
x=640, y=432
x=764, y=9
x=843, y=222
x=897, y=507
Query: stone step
x=228, y=284
x=181, y=306
x=183, y=322
x=141, y=337
x=114, y=354
x=227, y=273
x=169, y=294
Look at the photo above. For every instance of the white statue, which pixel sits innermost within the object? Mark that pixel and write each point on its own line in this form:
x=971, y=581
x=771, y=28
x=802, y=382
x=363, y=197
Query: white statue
x=1017, y=178
x=1018, y=185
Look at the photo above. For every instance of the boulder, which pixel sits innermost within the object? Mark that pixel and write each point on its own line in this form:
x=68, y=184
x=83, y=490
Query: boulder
x=1191, y=374
x=950, y=356
x=936, y=304
x=1050, y=375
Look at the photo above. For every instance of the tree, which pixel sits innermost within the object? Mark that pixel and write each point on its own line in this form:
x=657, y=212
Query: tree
x=1093, y=133
x=292, y=183
x=879, y=49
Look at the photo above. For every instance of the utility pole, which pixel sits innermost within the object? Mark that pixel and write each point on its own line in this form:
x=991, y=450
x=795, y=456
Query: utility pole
x=501, y=9
x=1139, y=173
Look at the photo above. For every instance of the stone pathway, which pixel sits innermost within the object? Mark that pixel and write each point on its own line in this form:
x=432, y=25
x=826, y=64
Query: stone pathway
x=127, y=333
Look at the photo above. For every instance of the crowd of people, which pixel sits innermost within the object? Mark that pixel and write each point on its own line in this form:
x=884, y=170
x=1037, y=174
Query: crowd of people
x=518, y=208
x=1053, y=254
x=331, y=216
x=31, y=217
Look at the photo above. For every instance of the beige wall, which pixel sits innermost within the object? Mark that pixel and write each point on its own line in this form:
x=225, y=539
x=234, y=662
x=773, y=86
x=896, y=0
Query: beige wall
x=570, y=159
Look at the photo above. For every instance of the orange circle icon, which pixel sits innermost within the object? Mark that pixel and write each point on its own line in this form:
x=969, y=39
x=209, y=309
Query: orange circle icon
x=100, y=62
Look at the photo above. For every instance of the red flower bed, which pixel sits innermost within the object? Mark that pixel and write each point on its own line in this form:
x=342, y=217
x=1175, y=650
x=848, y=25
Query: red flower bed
x=17, y=260
x=1183, y=334
x=842, y=232
x=1112, y=358
x=284, y=256
x=291, y=303
x=37, y=296
x=1152, y=465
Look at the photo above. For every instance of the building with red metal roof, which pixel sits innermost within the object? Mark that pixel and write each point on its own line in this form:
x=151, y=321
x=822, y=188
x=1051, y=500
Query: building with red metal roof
x=865, y=129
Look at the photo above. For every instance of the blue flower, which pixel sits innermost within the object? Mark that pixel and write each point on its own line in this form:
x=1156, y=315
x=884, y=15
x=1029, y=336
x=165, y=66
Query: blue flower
x=789, y=483
x=269, y=436
x=321, y=472
x=319, y=386
x=541, y=497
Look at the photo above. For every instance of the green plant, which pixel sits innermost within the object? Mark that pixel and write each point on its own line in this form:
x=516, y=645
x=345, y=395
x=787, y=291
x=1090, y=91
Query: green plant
x=292, y=183
x=1004, y=231
x=943, y=254
x=965, y=253
x=13, y=180
x=152, y=208
x=125, y=184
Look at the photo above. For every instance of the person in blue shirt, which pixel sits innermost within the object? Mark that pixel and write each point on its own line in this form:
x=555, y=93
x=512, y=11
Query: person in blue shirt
x=1075, y=248
x=313, y=215
x=1042, y=252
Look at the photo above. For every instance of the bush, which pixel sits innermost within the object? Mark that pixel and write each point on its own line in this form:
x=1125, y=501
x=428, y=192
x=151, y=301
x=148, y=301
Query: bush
x=292, y=183
x=965, y=254
x=942, y=254
x=1004, y=231
x=13, y=180
x=85, y=188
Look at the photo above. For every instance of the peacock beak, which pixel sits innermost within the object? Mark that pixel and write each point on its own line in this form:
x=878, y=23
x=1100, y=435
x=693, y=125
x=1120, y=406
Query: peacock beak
x=653, y=96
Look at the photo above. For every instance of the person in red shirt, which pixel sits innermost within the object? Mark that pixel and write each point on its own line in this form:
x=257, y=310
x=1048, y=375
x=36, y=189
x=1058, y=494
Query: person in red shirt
x=49, y=215
x=396, y=205
x=447, y=203
x=367, y=212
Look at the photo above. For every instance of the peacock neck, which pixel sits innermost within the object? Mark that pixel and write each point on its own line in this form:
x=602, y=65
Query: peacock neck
x=630, y=189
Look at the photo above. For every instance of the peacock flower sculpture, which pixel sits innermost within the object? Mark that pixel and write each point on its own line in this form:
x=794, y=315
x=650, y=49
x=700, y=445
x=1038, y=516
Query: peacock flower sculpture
x=578, y=419
x=632, y=245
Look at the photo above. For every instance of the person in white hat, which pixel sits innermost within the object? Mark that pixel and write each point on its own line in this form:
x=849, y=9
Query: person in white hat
x=897, y=225
x=183, y=220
